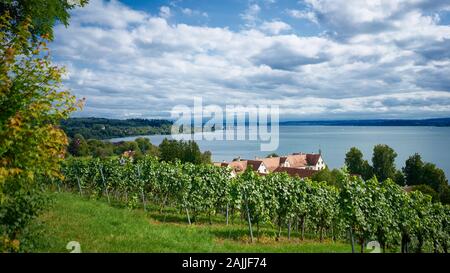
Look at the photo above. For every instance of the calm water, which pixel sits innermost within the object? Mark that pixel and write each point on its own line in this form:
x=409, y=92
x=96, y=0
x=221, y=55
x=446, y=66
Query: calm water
x=433, y=143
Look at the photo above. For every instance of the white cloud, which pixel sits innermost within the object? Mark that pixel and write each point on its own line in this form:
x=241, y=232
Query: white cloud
x=275, y=27
x=191, y=12
x=165, y=12
x=125, y=61
x=302, y=14
x=250, y=16
x=187, y=11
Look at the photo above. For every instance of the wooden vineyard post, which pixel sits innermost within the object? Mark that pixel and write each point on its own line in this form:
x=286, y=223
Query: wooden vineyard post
x=104, y=184
x=79, y=186
x=248, y=217
x=289, y=230
x=227, y=213
x=352, y=240
x=189, y=218
x=142, y=189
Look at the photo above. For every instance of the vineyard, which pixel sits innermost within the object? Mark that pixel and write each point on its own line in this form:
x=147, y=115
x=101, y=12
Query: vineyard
x=356, y=211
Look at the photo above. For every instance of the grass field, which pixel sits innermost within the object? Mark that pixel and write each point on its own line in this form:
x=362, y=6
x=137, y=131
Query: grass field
x=99, y=227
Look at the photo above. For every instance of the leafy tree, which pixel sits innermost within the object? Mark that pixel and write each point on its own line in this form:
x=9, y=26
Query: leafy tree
x=43, y=13
x=413, y=170
x=367, y=170
x=434, y=177
x=101, y=128
x=383, y=162
x=354, y=161
x=169, y=150
x=324, y=175
x=78, y=146
x=445, y=195
x=98, y=148
x=425, y=189
x=333, y=177
x=399, y=178
x=191, y=152
x=272, y=155
x=206, y=157
x=172, y=150
x=33, y=101
x=357, y=165
x=146, y=146
x=127, y=146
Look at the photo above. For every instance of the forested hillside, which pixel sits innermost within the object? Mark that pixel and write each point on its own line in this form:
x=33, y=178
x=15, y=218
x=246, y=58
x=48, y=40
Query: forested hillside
x=102, y=128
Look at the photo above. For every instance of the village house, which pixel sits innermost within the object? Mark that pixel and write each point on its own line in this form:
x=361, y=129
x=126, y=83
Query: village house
x=297, y=164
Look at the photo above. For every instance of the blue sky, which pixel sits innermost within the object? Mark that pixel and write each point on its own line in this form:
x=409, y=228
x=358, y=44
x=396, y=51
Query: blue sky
x=316, y=59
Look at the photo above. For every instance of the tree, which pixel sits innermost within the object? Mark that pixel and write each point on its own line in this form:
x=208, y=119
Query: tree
x=272, y=155
x=354, y=161
x=144, y=144
x=383, y=162
x=191, y=152
x=332, y=177
x=434, y=177
x=206, y=157
x=169, y=150
x=78, y=146
x=43, y=13
x=367, y=172
x=445, y=195
x=425, y=189
x=399, y=178
x=413, y=170
x=98, y=148
x=33, y=101
x=172, y=150
x=357, y=165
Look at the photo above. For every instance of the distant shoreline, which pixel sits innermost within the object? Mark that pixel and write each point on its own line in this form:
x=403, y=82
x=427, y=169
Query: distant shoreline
x=436, y=122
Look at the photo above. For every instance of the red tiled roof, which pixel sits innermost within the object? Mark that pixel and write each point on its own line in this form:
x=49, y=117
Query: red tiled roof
x=312, y=158
x=254, y=163
x=297, y=163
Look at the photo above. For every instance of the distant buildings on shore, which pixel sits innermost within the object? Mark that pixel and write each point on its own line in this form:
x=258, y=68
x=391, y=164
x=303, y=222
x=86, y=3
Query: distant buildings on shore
x=297, y=164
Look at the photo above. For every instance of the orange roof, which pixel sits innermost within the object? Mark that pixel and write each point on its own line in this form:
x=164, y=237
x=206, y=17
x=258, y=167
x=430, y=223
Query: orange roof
x=297, y=160
x=271, y=163
x=238, y=166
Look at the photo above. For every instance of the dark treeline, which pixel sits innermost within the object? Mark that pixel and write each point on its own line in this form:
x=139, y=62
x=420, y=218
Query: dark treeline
x=439, y=122
x=102, y=128
x=416, y=174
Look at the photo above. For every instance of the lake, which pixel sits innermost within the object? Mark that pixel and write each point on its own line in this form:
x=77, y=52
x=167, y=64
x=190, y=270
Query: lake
x=433, y=143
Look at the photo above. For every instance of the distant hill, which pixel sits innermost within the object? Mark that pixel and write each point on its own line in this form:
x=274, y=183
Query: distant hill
x=440, y=122
x=102, y=128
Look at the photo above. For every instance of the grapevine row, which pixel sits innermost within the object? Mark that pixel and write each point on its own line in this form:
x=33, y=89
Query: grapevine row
x=357, y=210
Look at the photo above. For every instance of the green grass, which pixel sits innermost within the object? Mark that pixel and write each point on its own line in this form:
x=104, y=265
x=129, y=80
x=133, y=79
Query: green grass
x=99, y=227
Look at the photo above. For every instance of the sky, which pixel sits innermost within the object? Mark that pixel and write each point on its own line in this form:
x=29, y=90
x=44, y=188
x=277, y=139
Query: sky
x=315, y=59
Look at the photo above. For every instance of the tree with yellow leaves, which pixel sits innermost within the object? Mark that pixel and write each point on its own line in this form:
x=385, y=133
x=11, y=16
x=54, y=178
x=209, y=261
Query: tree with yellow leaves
x=32, y=104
